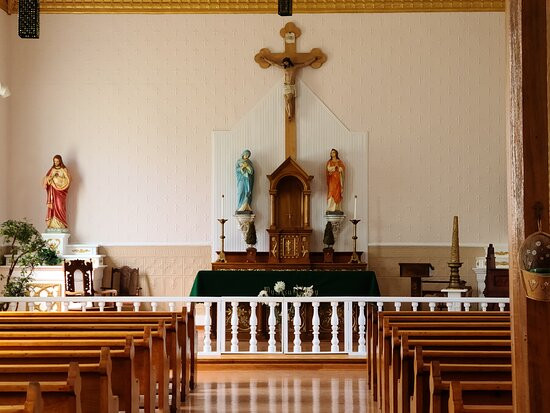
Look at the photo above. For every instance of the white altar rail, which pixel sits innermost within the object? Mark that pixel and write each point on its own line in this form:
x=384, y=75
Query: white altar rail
x=284, y=334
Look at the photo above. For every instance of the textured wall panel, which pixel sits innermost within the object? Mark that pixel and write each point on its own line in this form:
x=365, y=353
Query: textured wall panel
x=131, y=103
x=167, y=271
x=164, y=271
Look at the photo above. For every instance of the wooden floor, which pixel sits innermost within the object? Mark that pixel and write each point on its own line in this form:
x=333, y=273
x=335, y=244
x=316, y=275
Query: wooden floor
x=278, y=389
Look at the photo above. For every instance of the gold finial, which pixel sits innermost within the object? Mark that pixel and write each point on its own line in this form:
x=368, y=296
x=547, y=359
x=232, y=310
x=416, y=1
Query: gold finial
x=455, y=250
x=454, y=262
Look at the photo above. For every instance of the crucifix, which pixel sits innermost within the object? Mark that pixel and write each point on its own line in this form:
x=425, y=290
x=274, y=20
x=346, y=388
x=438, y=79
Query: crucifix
x=291, y=62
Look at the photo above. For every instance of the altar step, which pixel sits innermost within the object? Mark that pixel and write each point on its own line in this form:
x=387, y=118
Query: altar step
x=281, y=361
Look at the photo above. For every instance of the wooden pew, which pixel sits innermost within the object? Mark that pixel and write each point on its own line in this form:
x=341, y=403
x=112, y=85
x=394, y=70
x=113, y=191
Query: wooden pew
x=404, y=361
x=372, y=352
x=96, y=395
x=157, y=367
x=146, y=361
x=401, y=390
x=160, y=361
x=423, y=361
x=390, y=364
x=186, y=331
x=381, y=329
x=185, y=318
x=481, y=384
x=124, y=382
x=58, y=396
x=104, y=373
x=384, y=348
x=193, y=346
x=386, y=320
x=182, y=364
x=457, y=405
x=33, y=402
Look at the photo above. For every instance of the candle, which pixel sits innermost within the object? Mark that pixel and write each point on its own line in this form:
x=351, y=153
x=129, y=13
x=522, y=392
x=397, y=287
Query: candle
x=455, y=252
x=355, y=207
x=222, y=204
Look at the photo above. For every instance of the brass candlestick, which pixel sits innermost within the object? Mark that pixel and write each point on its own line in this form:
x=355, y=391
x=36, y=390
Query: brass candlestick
x=221, y=254
x=354, y=257
x=455, y=264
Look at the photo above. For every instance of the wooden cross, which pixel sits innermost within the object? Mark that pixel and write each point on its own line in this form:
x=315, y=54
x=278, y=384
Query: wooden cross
x=291, y=62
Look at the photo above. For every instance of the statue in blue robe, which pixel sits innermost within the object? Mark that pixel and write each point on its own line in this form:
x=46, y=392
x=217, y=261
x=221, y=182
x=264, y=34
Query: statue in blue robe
x=244, y=171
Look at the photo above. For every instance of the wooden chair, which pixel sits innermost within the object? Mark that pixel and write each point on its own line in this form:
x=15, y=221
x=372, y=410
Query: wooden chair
x=70, y=270
x=496, y=279
x=125, y=281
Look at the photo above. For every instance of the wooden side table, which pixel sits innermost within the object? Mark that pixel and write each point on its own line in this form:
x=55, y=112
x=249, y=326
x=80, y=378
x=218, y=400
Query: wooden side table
x=415, y=271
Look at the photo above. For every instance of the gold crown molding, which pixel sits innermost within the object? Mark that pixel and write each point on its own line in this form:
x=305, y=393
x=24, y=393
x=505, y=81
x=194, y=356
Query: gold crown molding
x=260, y=6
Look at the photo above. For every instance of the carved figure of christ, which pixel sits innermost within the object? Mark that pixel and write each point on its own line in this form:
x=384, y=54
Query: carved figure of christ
x=291, y=62
x=291, y=69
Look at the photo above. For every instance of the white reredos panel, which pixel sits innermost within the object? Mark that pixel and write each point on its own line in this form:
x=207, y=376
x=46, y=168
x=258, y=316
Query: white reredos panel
x=262, y=131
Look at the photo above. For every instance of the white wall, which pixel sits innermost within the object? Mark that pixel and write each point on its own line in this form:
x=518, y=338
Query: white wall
x=4, y=120
x=130, y=101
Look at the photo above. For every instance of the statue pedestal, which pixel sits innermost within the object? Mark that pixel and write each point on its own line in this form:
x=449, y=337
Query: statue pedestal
x=454, y=293
x=57, y=241
x=336, y=221
x=244, y=221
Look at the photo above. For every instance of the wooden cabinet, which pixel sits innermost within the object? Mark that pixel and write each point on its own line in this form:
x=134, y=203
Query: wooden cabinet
x=289, y=227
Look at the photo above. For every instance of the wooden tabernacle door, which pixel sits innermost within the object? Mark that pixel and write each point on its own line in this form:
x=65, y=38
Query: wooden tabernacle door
x=289, y=227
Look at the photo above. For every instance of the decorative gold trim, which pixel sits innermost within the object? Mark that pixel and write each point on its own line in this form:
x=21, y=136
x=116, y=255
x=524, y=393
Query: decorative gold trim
x=263, y=6
x=81, y=251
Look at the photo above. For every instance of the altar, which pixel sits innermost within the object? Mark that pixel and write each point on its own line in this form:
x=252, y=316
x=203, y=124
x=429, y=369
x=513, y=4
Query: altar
x=250, y=283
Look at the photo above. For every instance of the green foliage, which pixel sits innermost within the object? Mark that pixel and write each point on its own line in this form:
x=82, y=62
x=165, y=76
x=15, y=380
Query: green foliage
x=26, y=245
x=47, y=256
x=251, y=234
x=328, y=238
x=18, y=287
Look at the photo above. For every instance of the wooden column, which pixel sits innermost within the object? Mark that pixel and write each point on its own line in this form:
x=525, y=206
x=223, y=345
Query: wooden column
x=306, y=209
x=528, y=168
x=272, y=209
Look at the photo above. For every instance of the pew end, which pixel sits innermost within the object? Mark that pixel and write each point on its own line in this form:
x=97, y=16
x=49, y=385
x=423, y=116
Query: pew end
x=457, y=405
x=33, y=402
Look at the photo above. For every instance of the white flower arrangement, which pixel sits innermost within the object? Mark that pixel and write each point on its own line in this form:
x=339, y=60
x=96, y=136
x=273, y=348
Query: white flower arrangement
x=279, y=289
x=303, y=291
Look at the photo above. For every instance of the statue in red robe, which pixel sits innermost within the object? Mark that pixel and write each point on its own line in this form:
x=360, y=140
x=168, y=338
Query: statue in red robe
x=335, y=183
x=57, y=182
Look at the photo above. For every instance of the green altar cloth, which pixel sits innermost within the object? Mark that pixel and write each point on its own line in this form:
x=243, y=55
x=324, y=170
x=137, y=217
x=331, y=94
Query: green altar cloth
x=250, y=283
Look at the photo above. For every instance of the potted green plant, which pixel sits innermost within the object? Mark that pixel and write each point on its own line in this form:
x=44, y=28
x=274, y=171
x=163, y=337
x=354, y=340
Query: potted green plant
x=328, y=240
x=27, y=249
x=251, y=241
